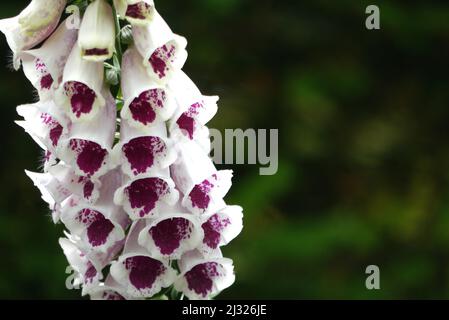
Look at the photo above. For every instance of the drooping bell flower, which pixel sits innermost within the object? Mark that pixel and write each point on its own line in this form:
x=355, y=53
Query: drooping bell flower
x=44, y=66
x=163, y=52
x=109, y=290
x=88, y=145
x=83, y=187
x=194, y=110
x=80, y=92
x=137, y=12
x=197, y=178
x=171, y=234
x=97, y=32
x=47, y=125
x=146, y=101
x=87, y=266
x=220, y=228
x=53, y=192
x=144, y=197
x=32, y=26
x=203, y=277
x=141, y=153
x=101, y=225
x=142, y=275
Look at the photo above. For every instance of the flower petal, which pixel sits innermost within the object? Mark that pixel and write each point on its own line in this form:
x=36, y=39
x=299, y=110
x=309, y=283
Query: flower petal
x=81, y=89
x=141, y=275
x=204, y=277
x=88, y=145
x=146, y=101
x=137, y=12
x=32, y=26
x=171, y=235
x=97, y=32
x=220, y=228
x=141, y=154
x=163, y=51
x=143, y=197
x=44, y=66
x=196, y=177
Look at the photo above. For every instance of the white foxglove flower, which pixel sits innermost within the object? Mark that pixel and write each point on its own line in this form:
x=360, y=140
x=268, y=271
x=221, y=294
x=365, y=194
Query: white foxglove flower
x=221, y=228
x=102, y=225
x=204, y=277
x=194, y=109
x=163, y=51
x=97, y=32
x=80, y=92
x=109, y=290
x=88, y=145
x=32, y=26
x=80, y=186
x=137, y=12
x=145, y=196
x=46, y=124
x=171, y=234
x=141, y=275
x=146, y=101
x=143, y=153
x=197, y=178
x=52, y=191
x=44, y=66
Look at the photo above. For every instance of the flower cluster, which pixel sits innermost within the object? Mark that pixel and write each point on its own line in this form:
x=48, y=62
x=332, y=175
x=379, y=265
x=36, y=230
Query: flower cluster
x=126, y=166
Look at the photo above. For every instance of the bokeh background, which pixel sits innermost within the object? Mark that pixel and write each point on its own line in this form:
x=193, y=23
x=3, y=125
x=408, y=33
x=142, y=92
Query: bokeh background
x=363, y=119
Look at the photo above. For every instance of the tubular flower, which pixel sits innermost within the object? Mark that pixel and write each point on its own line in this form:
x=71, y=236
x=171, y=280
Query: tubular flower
x=97, y=32
x=145, y=101
x=32, y=26
x=44, y=66
x=137, y=12
x=163, y=51
x=126, y=166
x=81, y=89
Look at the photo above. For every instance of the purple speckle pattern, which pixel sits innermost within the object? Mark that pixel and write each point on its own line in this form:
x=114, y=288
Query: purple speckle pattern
x=213, y=228
x=111, y=295
x=141, y=152
x=161, y=58
x=90, y=273
x=199, y=196
x=168, y=234
x=54, y=128
x=187, y=121
x=96, y=52
x=90, y=156
x=81, y=97
x=143, y=194
x=143, y=107
x=46, y=79
x=200, y=278
x=140, y=10
x=98, y=227
x=143, y=271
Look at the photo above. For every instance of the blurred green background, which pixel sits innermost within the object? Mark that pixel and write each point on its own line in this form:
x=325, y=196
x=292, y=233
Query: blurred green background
x=363, y=121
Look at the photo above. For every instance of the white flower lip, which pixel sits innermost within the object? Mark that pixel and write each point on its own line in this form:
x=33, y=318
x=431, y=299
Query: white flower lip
x=144, y=196
x=32, y=26
x=163, y=52
x=141, y=275
x=97, y=32
x=204, y=276
x=171, y=234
